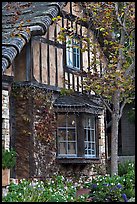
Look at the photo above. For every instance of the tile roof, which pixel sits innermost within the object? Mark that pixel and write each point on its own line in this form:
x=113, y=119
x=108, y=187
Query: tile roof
x=21, y=20
x=78, y=100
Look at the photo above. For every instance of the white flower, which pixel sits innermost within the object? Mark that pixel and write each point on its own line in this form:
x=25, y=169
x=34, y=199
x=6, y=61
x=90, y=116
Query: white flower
x=65, y=187
x=118, y=35
x=50, y=189
x=35, y=179
x=63, y=178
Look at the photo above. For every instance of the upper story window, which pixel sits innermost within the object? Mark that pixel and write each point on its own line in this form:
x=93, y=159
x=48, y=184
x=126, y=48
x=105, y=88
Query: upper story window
x=76, y=135
x=72, y=53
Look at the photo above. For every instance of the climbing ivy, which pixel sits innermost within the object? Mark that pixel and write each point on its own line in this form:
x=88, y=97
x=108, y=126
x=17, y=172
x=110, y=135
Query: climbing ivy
x=39, y=108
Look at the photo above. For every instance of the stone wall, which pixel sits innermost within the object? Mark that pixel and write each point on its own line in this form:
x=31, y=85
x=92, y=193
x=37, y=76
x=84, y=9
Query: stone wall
x=35, y=141
x=5, y=119
x=101, y=137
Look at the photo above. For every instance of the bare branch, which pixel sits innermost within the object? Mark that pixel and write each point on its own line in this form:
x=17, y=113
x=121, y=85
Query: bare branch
x=105, y=103
x=119, y=19
x=121, y=108
x=130, y=68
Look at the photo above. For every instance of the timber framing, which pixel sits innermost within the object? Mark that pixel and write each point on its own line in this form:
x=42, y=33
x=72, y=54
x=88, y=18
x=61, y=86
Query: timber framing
x=11, y=46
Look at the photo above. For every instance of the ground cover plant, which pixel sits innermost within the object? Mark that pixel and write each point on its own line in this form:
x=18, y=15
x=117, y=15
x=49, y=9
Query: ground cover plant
x=55, y=189
x=103, y=188
x=117, y=188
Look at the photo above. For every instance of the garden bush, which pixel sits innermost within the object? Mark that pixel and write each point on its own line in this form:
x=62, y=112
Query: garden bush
x=60, y=189
x=115, y=188
x=8, y=158
x=125, y=167
x=55, y=189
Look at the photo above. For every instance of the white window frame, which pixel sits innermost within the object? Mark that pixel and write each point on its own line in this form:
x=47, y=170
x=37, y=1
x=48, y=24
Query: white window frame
x=90, y=145
x=72, y=52
x=66, y=140
x=89, y=132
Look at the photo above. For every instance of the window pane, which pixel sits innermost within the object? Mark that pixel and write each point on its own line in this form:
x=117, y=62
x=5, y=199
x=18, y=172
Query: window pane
x=69, y=52
x=71, y=135
x=93, y=146
x=74, y=50
x=72, y=53
x=71, y=120
x=92, y=135
x=78, y=61
x=61, y=135
x=62, y=148
x=93, y=152
x=71, y=148
x=69, y=58
x=89, y=130
x=89, y=121
x=74, y=60
x=89, y=152
x=61, y=120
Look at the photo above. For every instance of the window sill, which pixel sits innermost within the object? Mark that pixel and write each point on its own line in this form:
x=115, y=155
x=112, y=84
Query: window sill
x=72, y=69
x=78, y=160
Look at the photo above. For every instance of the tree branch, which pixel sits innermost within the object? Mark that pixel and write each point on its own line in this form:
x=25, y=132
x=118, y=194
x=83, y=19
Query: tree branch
x=119, y=19
x=105, y=103
x=121, y=108
x=130, y=68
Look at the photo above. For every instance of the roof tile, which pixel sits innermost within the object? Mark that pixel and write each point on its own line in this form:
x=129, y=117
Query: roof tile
x=17, y=17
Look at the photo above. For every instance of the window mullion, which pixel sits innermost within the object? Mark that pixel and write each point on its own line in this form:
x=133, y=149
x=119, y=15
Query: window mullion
x=67, y=133
x=94, y=139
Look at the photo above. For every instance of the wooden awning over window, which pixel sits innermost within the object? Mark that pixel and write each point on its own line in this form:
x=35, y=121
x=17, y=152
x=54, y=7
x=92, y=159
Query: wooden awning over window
x=78, y=103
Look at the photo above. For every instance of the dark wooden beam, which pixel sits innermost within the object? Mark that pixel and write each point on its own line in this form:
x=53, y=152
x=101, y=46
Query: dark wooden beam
x=64, y=55
x=40, y=61
x=56, y=63
x=48, y=62
x=49, y=42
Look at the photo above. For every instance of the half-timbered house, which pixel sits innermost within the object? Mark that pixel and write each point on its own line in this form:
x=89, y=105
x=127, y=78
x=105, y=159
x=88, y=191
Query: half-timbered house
x=43, y=92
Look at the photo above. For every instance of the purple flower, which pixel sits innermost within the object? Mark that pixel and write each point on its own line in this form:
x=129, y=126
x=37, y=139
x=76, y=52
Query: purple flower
x=119, y=186
x=94, y=185
x=106, y=184
x=124, y=197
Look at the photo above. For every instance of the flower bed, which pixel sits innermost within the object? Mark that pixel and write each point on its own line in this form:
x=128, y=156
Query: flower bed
x=60, y=189
x=55, y=189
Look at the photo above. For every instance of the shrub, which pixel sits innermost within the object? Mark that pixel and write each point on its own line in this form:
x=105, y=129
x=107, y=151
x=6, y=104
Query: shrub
x=8, y=158
x=115, y=188
x=59, y=189
x=107, y=189
x=55, y=189
x=125, y=167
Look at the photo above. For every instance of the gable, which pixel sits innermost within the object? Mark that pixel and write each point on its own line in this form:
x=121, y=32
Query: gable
x=21, y=20
x=36, y=58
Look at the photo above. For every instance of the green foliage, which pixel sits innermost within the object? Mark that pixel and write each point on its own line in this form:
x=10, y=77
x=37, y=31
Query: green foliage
x=8, y=159
x=65, y=92
x=55, y=189
x=41, y=102
x=115, y=188
x=125, y=167
x=60, y=189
